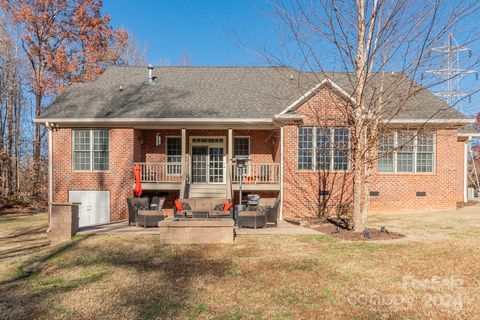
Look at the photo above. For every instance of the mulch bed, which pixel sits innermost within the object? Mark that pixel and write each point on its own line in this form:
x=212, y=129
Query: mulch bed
x=346, y=234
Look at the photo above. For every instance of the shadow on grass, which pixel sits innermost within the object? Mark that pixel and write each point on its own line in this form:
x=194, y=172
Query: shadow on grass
x=160, y=284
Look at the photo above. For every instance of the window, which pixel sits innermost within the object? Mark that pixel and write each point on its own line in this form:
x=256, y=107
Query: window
x=385, y=149
x=100, y=150
x=330, y=151
x=91, y=149
x=174, y=155
x=305, y=146
x=406, y=152
x=241, y=147
x=425, y=152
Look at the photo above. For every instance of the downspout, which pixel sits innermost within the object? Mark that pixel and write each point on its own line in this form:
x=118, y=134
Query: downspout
x=465, y=170
x=50, y=174
x=281, y=173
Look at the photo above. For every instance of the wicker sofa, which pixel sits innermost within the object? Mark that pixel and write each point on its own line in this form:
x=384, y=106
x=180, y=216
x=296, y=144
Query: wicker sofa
x=260, y=217
x=202, y=208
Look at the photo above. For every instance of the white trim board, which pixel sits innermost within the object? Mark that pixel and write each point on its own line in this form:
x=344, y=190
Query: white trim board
x=314, y=90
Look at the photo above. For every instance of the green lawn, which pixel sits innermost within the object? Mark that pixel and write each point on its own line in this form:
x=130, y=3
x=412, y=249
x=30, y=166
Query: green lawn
x=428, y=275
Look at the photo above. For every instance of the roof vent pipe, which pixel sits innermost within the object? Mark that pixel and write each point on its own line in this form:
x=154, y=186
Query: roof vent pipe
x=150, y=76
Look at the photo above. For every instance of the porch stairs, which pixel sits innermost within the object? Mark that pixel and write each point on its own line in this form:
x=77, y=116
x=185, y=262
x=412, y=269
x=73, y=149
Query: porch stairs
x=201, y=191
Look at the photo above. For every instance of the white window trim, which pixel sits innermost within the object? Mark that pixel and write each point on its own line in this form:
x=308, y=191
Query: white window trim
x=166, y=155
x=91, y=149
x=395, y=152
x=249, y=145
x=248, y=167
x=332, y=150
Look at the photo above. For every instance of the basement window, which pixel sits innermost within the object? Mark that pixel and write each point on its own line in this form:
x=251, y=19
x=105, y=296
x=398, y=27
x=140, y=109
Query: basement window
x=406, y=152
x=91, y=149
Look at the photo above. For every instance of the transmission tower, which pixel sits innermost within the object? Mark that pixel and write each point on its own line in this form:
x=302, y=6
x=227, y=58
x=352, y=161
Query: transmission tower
x=451, y=73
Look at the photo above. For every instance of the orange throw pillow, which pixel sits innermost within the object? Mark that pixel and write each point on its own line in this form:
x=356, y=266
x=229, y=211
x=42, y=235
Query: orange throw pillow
x=178, y=205
x=227, y=206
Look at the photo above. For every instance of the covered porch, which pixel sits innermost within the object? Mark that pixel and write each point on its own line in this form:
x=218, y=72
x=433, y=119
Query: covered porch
x=199, y=163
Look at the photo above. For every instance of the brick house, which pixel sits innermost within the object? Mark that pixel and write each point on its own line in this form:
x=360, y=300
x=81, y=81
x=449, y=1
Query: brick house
x=185, y=125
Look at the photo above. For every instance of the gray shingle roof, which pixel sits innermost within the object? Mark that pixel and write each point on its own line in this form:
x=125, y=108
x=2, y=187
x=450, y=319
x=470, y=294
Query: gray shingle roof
x=216, y=92
x=468, y=130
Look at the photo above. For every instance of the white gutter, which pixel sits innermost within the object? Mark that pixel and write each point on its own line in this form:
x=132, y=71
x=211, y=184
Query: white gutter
x=280, y=116
x=155, y=120
x=281, y=173
x=465, y=171
x=50, y=174
x=469, y=135
x=429, y=121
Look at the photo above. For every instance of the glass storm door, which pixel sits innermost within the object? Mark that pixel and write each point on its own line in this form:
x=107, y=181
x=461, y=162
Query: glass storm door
x=199, y=164
x=215, y=165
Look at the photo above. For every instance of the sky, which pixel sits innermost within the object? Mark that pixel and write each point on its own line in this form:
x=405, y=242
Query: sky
x=207, y=30
x=213, y=33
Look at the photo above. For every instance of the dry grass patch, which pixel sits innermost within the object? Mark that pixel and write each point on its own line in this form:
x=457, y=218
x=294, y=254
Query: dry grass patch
x=258, y=277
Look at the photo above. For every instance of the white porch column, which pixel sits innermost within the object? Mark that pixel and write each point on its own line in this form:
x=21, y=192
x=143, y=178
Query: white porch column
x=50, y=174
x=184, y=146
x=184, y=161
x=465, y=171
x=281, y=173
x=229, y=163
x=230, y=145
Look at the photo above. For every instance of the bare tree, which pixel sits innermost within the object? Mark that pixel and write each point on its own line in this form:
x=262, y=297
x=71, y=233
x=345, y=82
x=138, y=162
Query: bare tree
x=367, y=40
x=10, y=113
x=132, y=53
x=185, y=59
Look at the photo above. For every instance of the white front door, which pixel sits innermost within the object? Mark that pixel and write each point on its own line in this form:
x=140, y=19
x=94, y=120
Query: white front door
x=94, y=206
x=208, y=160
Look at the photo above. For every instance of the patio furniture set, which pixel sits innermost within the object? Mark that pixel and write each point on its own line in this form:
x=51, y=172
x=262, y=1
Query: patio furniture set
x=257, y=214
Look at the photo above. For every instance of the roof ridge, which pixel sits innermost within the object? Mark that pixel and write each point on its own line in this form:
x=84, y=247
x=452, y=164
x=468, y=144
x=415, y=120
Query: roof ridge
x=146, y=66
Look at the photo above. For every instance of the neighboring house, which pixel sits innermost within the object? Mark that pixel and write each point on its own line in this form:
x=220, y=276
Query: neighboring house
x=184, y=125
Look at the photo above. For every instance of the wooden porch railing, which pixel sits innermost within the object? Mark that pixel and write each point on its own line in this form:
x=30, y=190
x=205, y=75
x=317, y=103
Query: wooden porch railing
x=257, y=173
x=160, y=172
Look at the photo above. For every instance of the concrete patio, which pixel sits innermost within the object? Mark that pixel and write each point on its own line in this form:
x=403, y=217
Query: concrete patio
x=283, y=228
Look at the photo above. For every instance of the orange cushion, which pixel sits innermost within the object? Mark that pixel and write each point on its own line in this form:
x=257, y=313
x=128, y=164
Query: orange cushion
x=227, y=206
x=178, y=205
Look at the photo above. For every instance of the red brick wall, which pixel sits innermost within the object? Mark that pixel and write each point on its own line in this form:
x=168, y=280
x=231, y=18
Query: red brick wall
x=444, y=188
x=133, y=145
x=263, y=143
x=118, y=180
x=302, y=189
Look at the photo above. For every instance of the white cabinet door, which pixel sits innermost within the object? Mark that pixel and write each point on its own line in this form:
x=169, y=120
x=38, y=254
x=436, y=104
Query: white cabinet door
x=100, y=204
x=94, y=206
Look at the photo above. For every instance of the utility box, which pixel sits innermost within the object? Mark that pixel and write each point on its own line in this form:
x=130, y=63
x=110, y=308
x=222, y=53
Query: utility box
x=472, y=193
x=63, y=221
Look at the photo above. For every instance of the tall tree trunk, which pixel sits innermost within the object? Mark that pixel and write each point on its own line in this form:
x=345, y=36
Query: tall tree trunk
x=358, y=154
x=9, y=143
x=18, y=124
x=37, y=145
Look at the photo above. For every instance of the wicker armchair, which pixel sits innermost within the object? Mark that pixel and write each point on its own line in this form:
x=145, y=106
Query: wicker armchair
x=145, y=213
x=266, y=212
x=134, y=204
